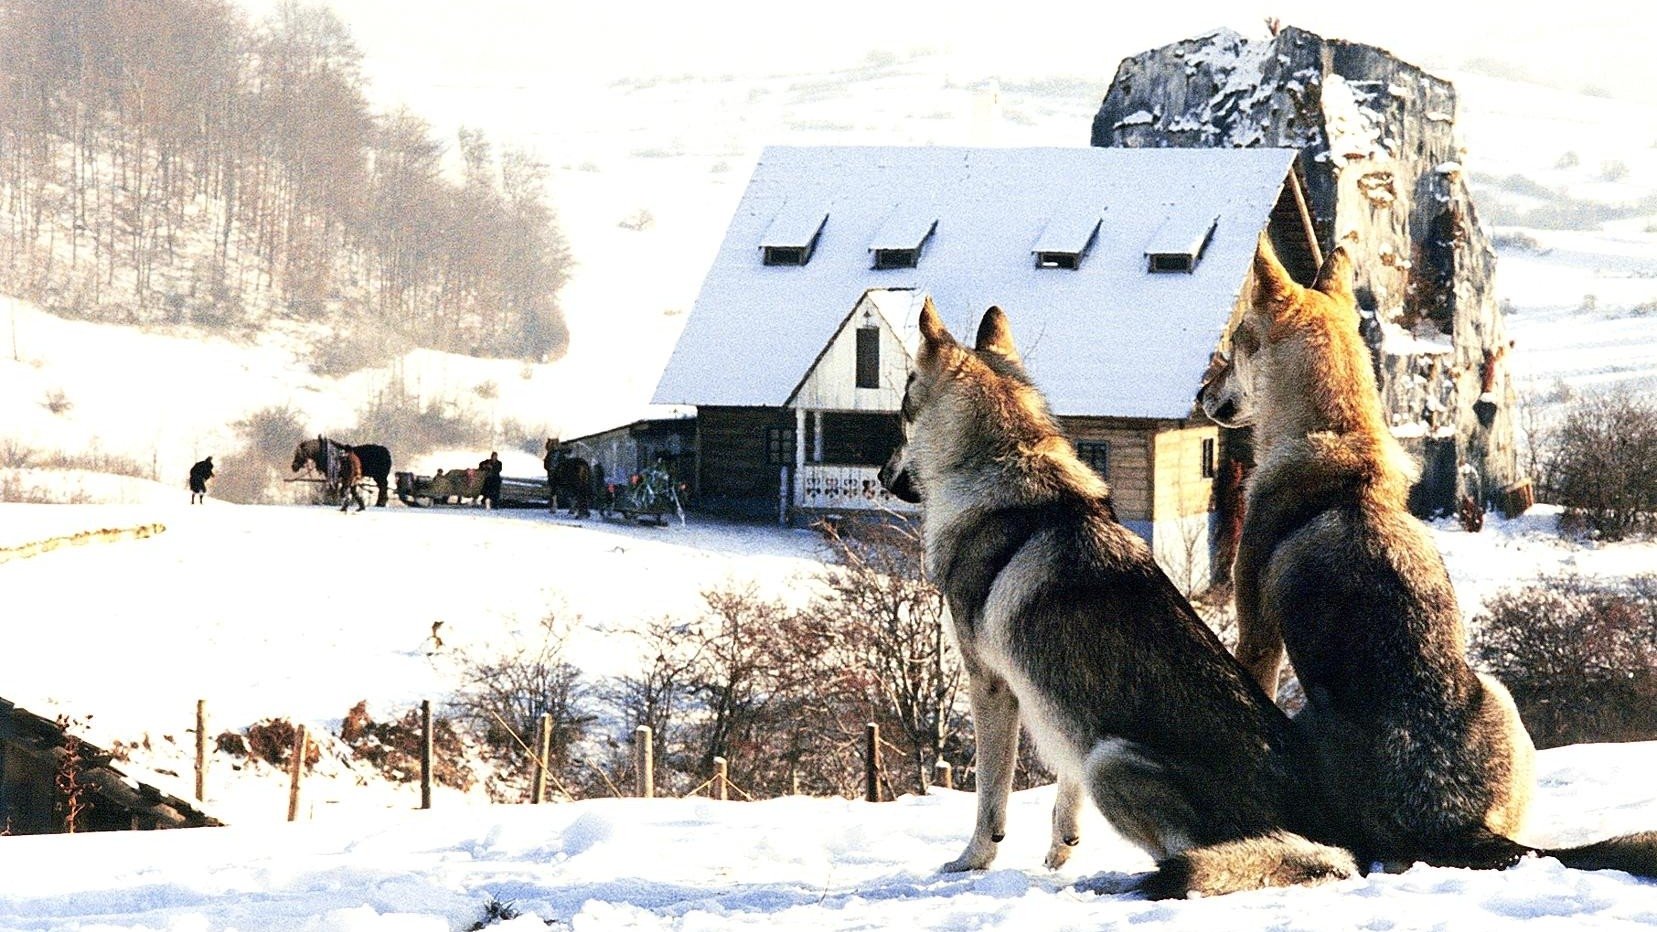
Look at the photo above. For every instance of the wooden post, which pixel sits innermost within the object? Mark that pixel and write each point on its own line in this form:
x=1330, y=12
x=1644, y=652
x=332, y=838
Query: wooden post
x=543, y=752
x=943, y=775
x=644, y=763
x=425, y=754
x=296, y=770
x=871, y=762
x=721, y=778
x=201, y=750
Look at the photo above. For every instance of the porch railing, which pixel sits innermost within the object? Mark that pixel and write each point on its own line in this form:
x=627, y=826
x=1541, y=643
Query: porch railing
x=825, y=487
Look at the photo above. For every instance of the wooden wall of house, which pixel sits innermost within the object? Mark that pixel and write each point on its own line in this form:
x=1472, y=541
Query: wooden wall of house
x=1182, y=488
x=1130, y=460
x=735, y=472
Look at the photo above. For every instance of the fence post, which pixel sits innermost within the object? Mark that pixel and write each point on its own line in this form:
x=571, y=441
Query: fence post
x=871, y=762
x=943, y=775
x=644, y=763
x=201, y=750
x=543, y=751
x=298, y=768
x=425, y=754
x=721, y=778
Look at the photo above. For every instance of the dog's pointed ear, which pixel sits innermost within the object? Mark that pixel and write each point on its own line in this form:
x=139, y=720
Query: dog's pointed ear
x=995, y=334
x=1335, y=278
x=1273, y=288
x=934, y=336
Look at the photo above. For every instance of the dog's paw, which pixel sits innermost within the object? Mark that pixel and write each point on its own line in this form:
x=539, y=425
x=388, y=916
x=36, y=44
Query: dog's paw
x=975, y=858
x=1060, y=852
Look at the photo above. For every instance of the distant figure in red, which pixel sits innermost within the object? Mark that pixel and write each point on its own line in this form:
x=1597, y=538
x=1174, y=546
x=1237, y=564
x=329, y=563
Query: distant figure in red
x=491, y=469
x=199, y=474
x=350, y=473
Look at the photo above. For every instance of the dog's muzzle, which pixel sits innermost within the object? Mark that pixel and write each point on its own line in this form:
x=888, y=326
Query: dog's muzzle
x=896, y=480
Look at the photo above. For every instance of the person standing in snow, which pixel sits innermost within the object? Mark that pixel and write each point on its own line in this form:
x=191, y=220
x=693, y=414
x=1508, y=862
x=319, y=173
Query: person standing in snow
x=199, y=474
x=491, y=469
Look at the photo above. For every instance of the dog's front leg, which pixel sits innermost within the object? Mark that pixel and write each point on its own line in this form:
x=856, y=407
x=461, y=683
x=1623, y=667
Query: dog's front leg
x=1067, y=811
x=995, y=723
x=1259, y=639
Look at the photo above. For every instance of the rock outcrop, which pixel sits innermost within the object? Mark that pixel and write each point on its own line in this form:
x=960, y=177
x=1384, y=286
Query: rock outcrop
x=1382, y=171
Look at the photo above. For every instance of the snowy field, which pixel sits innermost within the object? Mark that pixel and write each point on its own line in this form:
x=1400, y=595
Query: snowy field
x=222, y=605
x=783, y=864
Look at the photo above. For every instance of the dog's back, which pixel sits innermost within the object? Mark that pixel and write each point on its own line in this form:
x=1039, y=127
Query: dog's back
x=1065, y=622
x=1332, y=565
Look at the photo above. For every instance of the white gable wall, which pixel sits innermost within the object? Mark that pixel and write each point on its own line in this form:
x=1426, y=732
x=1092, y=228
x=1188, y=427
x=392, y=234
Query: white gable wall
x=831, y=385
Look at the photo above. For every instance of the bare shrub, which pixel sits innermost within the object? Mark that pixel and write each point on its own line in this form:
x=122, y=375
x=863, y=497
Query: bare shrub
x=892, y=624
x=401, y=421
x=249, y=474
x=1601, y=464
x=1579, y=656
x=393, y=748
x=57, y=402
x=272, y=740
x=505, y=696
x=14, y=454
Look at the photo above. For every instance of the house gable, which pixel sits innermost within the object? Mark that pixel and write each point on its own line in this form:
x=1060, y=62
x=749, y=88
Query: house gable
x=887, y=318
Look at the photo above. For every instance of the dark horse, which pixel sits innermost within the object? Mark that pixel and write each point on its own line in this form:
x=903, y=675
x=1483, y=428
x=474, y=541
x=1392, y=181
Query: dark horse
x=376, y=460
x=569, y=478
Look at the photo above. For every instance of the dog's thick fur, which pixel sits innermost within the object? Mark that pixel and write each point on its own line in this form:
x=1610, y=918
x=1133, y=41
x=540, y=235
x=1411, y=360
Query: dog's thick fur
x=1429, y=755
x=1065, y=622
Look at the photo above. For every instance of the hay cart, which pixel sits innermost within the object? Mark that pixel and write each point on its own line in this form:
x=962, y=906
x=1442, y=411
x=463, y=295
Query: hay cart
x=465, y=487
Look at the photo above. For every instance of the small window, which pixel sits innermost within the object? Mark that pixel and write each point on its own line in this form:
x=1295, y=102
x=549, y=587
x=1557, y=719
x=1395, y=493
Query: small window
x=901, y=238
x=787, y=255
x=1210, y=459
x=1178, y=245
x=779, y=446
x=792, y=236
x=1067, y=237
x=1095, y=453
x=868, y=357
x=1173, y=263
x=897, y=258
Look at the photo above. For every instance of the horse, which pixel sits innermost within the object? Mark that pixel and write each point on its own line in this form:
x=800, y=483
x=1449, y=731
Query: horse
x=375, y=460
x=569, y=478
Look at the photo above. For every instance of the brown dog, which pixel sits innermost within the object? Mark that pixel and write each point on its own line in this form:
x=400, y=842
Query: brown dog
x=1430, y=754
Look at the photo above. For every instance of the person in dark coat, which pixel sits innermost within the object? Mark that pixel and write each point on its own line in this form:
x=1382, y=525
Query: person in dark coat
x=491, y=469
x=199, y=474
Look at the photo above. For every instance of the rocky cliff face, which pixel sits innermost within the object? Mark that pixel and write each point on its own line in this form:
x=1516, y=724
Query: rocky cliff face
x=1382, y=170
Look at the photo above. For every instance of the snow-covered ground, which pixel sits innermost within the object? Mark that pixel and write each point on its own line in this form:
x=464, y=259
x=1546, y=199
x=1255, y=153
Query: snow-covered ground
x=781, y=864
x=228, y=605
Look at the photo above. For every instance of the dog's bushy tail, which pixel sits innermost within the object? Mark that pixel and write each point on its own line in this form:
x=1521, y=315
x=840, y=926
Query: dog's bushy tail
x=1636, y=854
x=1277, y=859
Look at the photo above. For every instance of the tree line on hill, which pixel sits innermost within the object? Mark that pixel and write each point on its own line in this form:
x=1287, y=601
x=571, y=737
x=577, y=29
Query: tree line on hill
x=169, y=161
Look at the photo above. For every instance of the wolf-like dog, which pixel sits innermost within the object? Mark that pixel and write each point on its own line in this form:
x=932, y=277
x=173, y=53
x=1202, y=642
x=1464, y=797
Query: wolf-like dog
x=1064, y=621
x=1429, y=755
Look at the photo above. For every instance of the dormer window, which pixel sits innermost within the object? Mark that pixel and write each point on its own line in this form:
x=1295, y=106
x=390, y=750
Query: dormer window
x=899, y=241
x=1067, y=238
x=1179, y=243
x=792, y=236
x=787, y=255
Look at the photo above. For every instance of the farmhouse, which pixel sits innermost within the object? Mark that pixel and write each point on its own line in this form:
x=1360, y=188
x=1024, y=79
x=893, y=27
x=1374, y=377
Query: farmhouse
x=1119, y=268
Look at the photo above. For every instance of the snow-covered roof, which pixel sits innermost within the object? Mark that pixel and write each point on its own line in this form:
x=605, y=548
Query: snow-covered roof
x=1106, y=338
